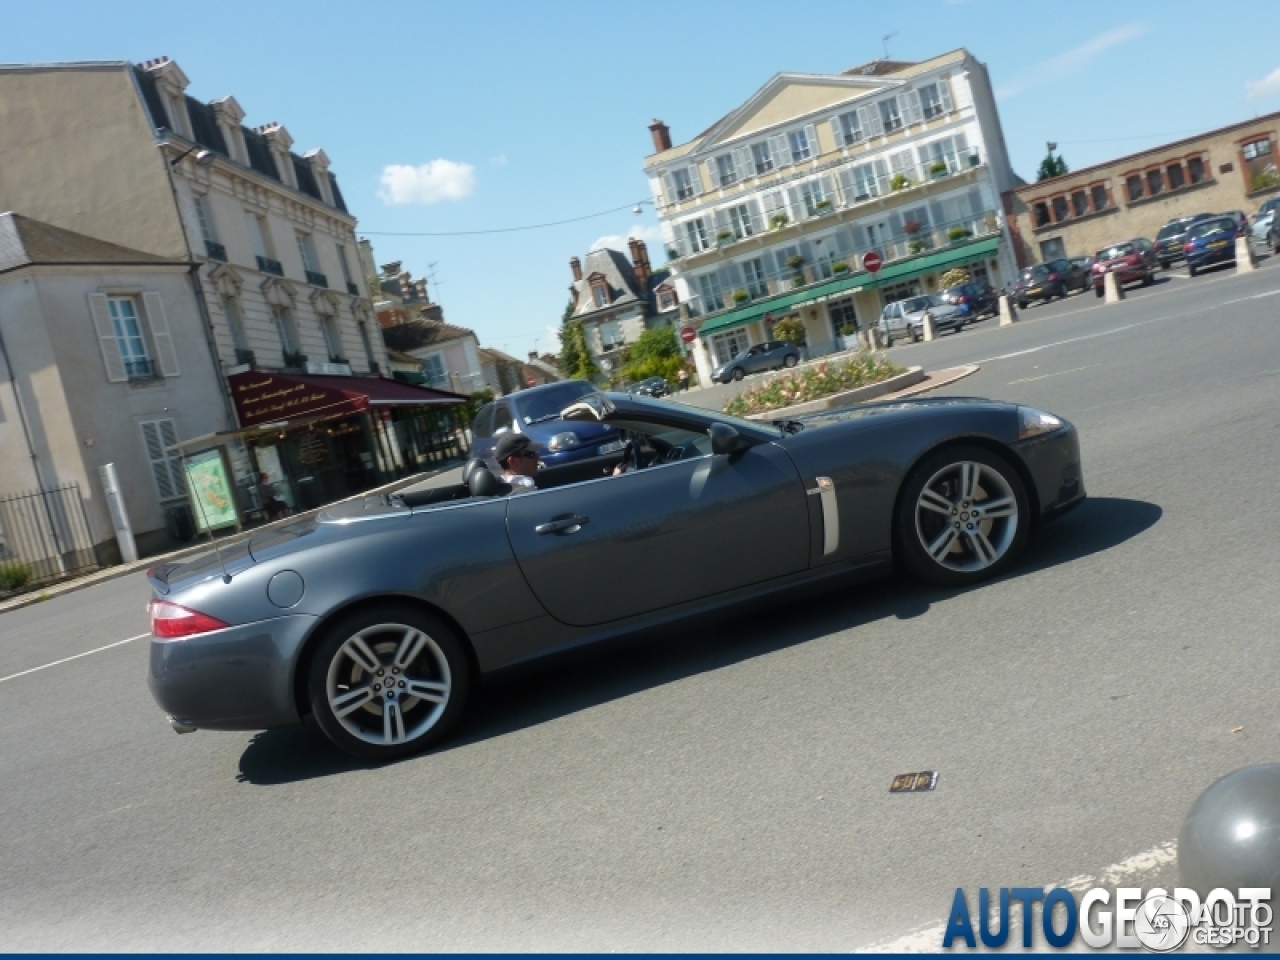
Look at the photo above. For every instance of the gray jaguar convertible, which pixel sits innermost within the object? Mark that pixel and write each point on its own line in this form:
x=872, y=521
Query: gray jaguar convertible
x=379, y=616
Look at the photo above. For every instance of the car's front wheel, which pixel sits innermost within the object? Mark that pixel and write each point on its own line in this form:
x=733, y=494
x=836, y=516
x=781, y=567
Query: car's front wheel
x=737, y=373
x=1191, y=270
x=963, y=516
x=791, y=360
x=388, y=681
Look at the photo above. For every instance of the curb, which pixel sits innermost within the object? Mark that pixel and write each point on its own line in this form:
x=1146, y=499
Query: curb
x=872, y=391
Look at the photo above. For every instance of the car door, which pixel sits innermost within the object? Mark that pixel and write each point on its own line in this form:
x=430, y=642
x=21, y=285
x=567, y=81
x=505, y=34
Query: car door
x=755, y=361
x=671, y=533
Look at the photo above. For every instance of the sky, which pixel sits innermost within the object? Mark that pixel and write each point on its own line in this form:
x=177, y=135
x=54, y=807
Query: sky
x=444, y=118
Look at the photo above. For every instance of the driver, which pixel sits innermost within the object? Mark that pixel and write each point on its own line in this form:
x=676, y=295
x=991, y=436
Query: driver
x=519, y=460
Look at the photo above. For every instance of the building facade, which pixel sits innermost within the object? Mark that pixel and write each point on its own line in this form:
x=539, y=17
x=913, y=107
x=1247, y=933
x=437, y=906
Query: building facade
x=770, y=211
x=122, y=153
x=104, y=361
x=616, y=300
x=1074, y=215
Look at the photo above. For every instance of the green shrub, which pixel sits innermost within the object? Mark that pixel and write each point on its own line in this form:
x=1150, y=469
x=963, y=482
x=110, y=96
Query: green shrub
x=839, y=267
x=778, y=221
x=813, y=383
x=958, y=233
x=899, y=181
x=14, y=574
x=791, y=329
x=954, y=277
x=741, y=296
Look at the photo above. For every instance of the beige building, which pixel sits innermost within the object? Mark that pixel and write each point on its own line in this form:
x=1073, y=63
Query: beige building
x=1232, y=168
x=104, y=361
x=770, y=211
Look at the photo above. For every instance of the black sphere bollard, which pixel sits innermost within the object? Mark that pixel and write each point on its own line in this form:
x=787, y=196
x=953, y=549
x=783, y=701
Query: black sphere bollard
x=1231, y=837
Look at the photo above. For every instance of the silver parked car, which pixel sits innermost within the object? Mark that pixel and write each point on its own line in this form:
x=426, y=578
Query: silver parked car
x=763, y=356
x=905, y=318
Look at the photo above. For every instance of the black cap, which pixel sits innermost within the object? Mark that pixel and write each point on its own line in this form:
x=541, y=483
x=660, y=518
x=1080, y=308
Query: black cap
x=511, y=443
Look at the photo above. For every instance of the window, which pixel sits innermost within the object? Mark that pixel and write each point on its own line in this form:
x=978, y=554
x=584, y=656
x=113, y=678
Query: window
x=1041, y=210
x=741, y=222
x=231, y=310
x=931, y=101
x=709, y=289
x=258, y=234
x=1079, y=203
x=683, y=184
x=1098, y=192
x=433, y=370
x=890, y=115
x=728, y=174
x=166, y=466
x=1155, y=182
x=761, y=157
x=695, y=231
x=501, y=419
x=1133, y=183
x=133, y=350
x=332, y=340
x=1259, y=165
x=342, y=262
x=1175, y=175
x=726, y=346
x=842, y=314
x=1059, y=208
x=850, y=128
x=600, y=295
x=813, y=194
x=286, y=330
x=865, y=183
x=207, y=231
x=666, y=300
x=366, y=343
x=801, y=148
x=753, y=271
x=1195, y=169
x=611, y=335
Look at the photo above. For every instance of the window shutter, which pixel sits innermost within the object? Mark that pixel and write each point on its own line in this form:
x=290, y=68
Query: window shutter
x=695, y=178
x=961, y=142
x=811, y=134
x=870, y=121
x=837, y=132
x=911, y=101
x=882, y=173
x=975, y=202
x=944, y=94
x=780, y=150
x=107, y=343
x=795, y=203
x=742, y=164
x=668, y=188
x=158, y=436
x=167, y=355
x=900, y=162
x=848, y=186
x=936, y=214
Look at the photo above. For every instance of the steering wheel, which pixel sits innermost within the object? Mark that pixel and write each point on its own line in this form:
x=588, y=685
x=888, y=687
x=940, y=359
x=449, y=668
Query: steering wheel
x=634, y=445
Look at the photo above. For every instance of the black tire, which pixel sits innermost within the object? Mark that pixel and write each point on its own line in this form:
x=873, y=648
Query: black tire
x=1191, y=271
x=737, y=373
x=1164, y=264
x=387, y=724
x=888, y=338
x=915, y=334
x=1148, y=279
x=1022, y=304
x=968, y=555
x=791, y=360
x=1097, y=290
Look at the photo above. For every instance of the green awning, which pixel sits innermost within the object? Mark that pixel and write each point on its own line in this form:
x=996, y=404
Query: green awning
x=894, y=272
x=407, y=376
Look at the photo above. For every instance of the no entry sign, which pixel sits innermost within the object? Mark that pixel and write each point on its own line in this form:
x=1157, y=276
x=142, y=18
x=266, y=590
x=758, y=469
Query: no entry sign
x=688, y=334
x=871, y=262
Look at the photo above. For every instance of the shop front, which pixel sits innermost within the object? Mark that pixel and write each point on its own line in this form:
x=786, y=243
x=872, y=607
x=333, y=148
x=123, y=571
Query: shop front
x=313, y=439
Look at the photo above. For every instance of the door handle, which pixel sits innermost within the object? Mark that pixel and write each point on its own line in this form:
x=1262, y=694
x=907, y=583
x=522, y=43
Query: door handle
x=562, y=525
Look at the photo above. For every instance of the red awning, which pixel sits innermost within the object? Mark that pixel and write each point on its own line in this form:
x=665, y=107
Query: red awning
x=262, y=397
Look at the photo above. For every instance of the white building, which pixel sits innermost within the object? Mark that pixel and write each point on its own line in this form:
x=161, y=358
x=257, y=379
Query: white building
x=769, y=212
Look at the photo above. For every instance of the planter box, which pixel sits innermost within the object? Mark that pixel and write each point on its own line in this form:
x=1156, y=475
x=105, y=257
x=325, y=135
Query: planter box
x=847, y=399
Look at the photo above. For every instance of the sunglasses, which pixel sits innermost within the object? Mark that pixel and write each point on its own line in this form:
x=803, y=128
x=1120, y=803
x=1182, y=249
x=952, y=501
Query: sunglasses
x=524, y=454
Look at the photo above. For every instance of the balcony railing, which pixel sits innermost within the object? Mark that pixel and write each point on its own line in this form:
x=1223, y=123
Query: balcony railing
x=216, y=251
x=353, y=289
x=267, y=265
x=817, y=197
x=317, y=279
x=292, y=359
x=907, y=244
x=244, y=357
x=139, y=368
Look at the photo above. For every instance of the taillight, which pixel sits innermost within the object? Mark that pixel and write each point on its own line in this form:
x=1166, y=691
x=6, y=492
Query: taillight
x=168, y=620
x=1053, y=276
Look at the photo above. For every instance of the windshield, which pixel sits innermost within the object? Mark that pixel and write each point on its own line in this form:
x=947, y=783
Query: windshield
x=1118, y=250
x=1172, y=229
x=1036, y=272
x=552, y=400
x=916, y=304
x=1211, y=226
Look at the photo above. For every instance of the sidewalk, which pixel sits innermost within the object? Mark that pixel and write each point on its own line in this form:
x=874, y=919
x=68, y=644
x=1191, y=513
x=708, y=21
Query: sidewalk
x=931, y=381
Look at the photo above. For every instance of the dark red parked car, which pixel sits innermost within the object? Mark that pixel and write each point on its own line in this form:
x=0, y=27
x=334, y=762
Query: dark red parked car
x=1130, y=260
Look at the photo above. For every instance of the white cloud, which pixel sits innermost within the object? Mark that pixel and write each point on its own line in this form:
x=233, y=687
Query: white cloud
x=1266, y=87
x=1072, y=61
x=498, y=161
x=548, y=341
x=427, y=183
x=618, y=241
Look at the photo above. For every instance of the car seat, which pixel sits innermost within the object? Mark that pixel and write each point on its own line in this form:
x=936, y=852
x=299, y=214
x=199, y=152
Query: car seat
x=481, y=481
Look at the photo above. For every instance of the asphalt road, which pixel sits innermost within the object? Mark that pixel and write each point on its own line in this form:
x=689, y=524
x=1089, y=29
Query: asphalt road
x=728, y=789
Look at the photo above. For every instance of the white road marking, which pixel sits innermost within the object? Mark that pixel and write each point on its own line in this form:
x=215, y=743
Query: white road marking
x=1256, y=296
x=118, y=643
x=928, y=939
x=1059, y=343
x=1060, y=373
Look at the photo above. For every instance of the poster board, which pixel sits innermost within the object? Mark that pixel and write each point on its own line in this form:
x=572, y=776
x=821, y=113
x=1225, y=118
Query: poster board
x=213, y=502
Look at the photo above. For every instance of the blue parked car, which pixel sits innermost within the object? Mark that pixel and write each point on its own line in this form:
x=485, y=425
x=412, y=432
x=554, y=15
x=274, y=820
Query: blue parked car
x=1211, y=241
x=536, y=413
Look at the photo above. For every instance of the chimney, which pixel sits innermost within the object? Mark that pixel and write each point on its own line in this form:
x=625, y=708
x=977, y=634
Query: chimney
x=391, y=269
x=640, y=260
x=576, y=266
x=661, y=136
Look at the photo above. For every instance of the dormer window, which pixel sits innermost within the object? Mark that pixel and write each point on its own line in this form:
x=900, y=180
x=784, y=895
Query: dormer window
x=599, y=291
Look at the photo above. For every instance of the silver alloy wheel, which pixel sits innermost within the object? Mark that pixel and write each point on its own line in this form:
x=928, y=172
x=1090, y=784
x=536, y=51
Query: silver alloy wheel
x=388, y=684
x=966, y=516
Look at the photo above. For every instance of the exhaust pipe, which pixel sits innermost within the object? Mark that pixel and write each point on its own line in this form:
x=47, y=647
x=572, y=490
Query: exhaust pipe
x=181, y=726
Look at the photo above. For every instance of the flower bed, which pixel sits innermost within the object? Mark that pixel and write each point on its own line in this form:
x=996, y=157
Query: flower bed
x=813, y=383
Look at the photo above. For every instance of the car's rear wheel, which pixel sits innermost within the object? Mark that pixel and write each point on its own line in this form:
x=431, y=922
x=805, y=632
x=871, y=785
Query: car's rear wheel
x=1148, y=279
x=737, y=373
x=963, y=516
x=1022, y=304
x=1097, y=290
x=1164, y=264
x=915, y=335
x=1191, y=270
x=388, y=681
x=790, y=361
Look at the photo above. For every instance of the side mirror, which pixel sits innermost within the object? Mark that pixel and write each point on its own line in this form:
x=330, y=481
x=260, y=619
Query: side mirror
x=724, y=439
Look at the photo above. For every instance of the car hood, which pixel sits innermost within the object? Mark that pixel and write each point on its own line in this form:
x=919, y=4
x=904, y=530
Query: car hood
x=893, y=408
x=944, y=310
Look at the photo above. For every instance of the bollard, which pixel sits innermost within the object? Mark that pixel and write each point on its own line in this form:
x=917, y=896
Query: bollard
x=1008, y=313
x=1245, y=262
x=1114, y=291
x=928, y=326
x=866, y=341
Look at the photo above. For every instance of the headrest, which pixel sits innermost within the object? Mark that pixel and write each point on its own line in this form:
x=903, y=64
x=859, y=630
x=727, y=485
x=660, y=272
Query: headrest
x=470, y=468
x=482, y=482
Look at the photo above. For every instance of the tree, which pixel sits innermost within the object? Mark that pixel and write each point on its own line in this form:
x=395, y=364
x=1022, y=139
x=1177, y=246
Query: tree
x=1052, y=166
x=575, y=359
x=791, y=329
x=655, y=354
x=954, y=277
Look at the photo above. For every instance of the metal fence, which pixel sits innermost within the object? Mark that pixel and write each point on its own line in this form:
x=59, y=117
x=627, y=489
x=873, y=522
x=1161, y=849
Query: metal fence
x=46, y=532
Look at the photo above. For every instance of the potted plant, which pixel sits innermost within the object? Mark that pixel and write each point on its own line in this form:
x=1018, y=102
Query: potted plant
x=778, y=221
x=795, y=262
x=899, y=181
x=938, y=169
x=741, y=296
x=724, y=236
x=672, y=254
x=822, y=206
x=839, y=267
x=917, y=246
x=973, y=159
x=956, y=234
